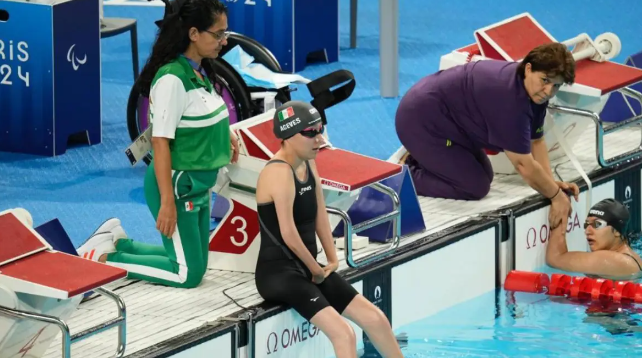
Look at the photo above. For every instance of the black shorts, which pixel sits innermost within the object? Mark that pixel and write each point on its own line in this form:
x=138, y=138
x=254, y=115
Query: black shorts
x=286, y=284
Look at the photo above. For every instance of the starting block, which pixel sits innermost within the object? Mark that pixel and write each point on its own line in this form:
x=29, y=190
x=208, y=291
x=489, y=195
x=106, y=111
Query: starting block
x=372, y=203
x=40, y=288
x=235, y=243
x=618, y=108
x=596, y=78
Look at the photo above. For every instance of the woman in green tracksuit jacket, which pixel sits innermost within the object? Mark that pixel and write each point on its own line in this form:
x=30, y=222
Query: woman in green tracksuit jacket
x=191, y=141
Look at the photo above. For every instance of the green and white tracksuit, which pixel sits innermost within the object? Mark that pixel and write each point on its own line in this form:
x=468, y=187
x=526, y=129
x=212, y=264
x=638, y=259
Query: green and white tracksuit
x=187, y=110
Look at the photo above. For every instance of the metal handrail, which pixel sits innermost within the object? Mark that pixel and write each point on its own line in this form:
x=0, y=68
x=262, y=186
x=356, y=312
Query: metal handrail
x=349, y=229
x=601, y=131
x=67, y=338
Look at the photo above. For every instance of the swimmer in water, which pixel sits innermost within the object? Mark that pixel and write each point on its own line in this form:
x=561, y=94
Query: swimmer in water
x=610, y=254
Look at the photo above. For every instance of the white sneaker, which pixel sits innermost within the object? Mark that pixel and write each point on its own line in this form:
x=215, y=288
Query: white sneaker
x=96, y=246
x=113, y=226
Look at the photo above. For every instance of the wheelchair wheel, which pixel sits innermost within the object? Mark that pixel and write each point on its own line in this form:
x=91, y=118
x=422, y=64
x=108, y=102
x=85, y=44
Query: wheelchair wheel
x=235, y=94
x=253, y=48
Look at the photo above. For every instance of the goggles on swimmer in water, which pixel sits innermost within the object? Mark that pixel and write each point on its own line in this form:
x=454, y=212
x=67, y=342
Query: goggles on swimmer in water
x=596, y=224
x=612, y=213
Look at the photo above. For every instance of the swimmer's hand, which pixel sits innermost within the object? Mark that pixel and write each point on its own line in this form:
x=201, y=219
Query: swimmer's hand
x=330, y=268
x=570, y=189
x=318, y=276
x=166, y=222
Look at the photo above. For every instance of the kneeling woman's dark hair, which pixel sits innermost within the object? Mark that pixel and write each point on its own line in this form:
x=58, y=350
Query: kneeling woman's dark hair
x=554, y=59
x=173, y=35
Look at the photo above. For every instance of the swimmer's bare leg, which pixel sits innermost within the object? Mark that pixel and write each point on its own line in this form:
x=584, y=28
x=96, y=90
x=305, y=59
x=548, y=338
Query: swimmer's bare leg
x=338, y=331
x=376, y=325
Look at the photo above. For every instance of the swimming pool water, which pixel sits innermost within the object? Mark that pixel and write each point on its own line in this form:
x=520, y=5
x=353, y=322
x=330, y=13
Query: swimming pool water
x=510, y=324
x=526, y=325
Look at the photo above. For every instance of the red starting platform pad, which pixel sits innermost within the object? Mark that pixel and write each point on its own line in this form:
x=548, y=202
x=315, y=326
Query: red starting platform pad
x=338, y=168
x=513, y=38
x=29, y=265
x=40, y=288
x=18, y=241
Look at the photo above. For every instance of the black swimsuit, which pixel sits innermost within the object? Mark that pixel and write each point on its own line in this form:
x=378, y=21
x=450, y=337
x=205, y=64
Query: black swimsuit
x=280, y=276
x=636, y=261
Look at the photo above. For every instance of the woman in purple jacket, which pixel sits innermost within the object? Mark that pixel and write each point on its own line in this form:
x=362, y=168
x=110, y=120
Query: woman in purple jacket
x=448, y=119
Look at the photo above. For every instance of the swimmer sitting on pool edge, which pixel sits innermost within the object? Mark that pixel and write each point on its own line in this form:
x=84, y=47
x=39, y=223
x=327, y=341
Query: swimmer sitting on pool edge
x=291, y=212
x=610, y=256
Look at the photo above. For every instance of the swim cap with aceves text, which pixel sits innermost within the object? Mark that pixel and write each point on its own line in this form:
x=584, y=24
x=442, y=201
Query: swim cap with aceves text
x=293, y=117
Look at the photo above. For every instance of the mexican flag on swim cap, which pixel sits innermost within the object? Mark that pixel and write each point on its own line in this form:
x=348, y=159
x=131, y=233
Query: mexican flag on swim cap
x=613, y=212
x=293, y=117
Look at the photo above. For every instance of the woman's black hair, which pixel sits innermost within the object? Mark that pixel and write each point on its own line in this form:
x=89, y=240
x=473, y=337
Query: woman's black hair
x=173, y=36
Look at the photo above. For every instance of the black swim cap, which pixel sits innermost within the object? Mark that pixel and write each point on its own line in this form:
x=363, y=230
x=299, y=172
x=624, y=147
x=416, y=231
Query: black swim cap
x=293, y=117
x=613, y=212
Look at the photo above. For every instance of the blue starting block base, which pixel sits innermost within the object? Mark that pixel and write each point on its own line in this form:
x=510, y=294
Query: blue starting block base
x=49, y=75
x=53, y=232
x=372, y=203
x=619, y=107
x=273, y=23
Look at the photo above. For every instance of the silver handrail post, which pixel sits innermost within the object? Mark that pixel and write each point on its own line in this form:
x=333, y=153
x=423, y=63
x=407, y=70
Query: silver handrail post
x=600, y=131
x=67, y=338
x=349, y=229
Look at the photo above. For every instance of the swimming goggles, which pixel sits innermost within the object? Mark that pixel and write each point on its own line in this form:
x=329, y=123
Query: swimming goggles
x=311, y=133
x=596, y=224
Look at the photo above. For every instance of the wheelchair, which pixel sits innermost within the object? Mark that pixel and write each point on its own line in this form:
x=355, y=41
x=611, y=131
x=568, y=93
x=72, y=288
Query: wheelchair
x=242, y=101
